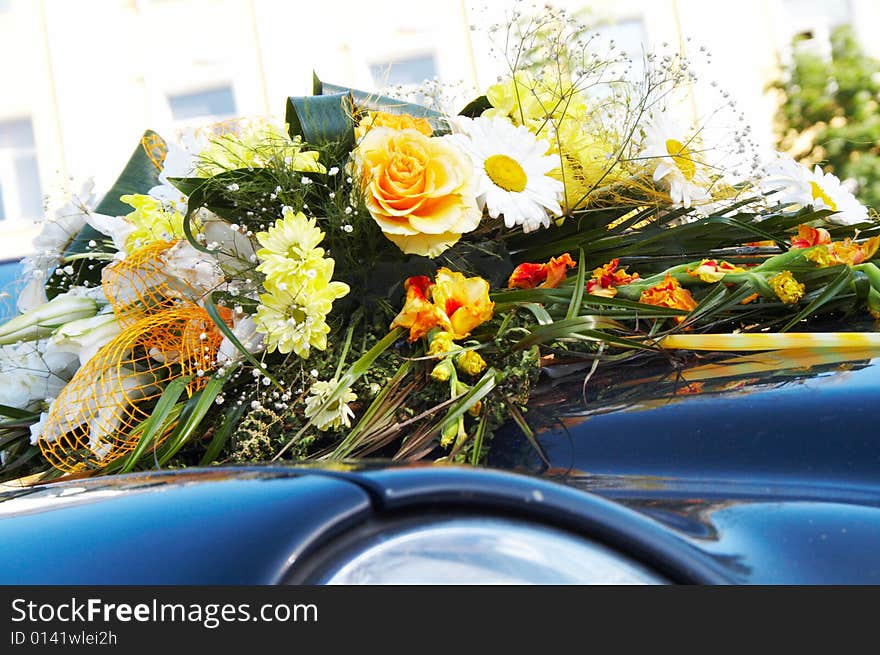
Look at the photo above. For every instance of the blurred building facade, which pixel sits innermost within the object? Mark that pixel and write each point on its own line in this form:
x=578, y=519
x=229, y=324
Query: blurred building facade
x=81, y=80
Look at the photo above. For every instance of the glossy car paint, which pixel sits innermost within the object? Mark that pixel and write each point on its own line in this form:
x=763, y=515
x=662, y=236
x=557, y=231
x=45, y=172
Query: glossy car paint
x=764, y=472
x=771, y=465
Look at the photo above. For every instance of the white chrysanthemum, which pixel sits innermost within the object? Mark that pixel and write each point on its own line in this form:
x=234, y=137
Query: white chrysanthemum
x=511, y=166
x=326, y=415
x=795, y=184
x=33, y=373
x=670, y=151
x=56, y=235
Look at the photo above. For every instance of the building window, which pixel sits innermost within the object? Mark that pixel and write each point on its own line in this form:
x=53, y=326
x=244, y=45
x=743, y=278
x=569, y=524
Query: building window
x=629, y=38
x=829, y=13
x=218, y=102
x=405, y=71
x=21, y=197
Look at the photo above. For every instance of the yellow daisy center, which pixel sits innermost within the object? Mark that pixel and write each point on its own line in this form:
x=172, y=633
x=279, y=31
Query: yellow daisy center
x=819, y=194
x=506, y=172
x=682, y=157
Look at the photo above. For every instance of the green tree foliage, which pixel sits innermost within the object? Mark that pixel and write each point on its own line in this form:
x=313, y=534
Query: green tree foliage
x=829, y=112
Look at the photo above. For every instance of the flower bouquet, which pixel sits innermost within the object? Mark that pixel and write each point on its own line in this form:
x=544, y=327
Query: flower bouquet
x=372, y=277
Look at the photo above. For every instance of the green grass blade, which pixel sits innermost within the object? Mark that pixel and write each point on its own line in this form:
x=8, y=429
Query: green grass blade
x=579, y=286
x=222, y=433
x=829, y=293
x=158, y=420
x=211, y=308
x=198, y=407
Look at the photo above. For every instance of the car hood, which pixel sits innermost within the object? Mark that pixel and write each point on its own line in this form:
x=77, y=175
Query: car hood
x=760, y=469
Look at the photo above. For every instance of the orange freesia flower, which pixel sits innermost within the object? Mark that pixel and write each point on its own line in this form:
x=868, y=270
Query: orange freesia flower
x=465, y=300
x=452, y=302
x=669, y=293
x=549, y=275
x=419, y=314
x=607, y=278
x=710, y=270
x=844, y=252
x=808, y=237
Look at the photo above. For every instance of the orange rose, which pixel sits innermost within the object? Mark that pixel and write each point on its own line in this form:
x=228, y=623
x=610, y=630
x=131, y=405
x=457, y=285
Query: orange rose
x=669, y=293
x=394, y=121
x=418, y=189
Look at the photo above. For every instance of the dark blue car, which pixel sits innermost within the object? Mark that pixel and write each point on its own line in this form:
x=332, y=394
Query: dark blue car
x=722, y=468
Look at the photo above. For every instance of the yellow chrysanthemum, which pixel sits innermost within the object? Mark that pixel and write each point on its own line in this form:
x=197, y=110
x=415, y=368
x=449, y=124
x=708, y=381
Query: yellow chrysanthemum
x=295, y=320
x=253, y=145
x=290, y=248
x=152, y=222
x=300, y=293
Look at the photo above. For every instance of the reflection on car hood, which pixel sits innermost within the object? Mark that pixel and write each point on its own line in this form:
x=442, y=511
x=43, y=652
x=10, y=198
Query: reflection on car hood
x=767, y=463
x=770, y=461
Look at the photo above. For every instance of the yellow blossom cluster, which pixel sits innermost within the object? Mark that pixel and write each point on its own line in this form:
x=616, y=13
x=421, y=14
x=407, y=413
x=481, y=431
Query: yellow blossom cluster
x=787, y=289
x=252, y=144
x=560, y=114
x=300, y=290
x=151, y=222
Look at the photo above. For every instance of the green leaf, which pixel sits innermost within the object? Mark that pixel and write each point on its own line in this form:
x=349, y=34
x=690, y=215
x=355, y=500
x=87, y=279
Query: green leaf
x=162, y=415
x=353, y=438
x=479, y=436
x=222, y=433
x=374, y=102
x=211, y=308
x=463, y=403
x=354, y=372
x=322, y=119
x=834, y=287
x=583, y=327
x=540, y=314
x=579, y=286
x=192, y=416
x=139, y=176
x=526, y=430
x=14, y=412
x=476, y=107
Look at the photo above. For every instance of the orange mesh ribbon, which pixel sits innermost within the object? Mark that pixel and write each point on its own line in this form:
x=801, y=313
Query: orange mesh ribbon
x=165, y=335
x=156, y=149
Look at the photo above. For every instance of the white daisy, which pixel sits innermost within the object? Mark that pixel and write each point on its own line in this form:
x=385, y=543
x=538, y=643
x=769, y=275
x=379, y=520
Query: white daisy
x=670, y=150
x=788, y=181
x=511, y=166
x=795, y=184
